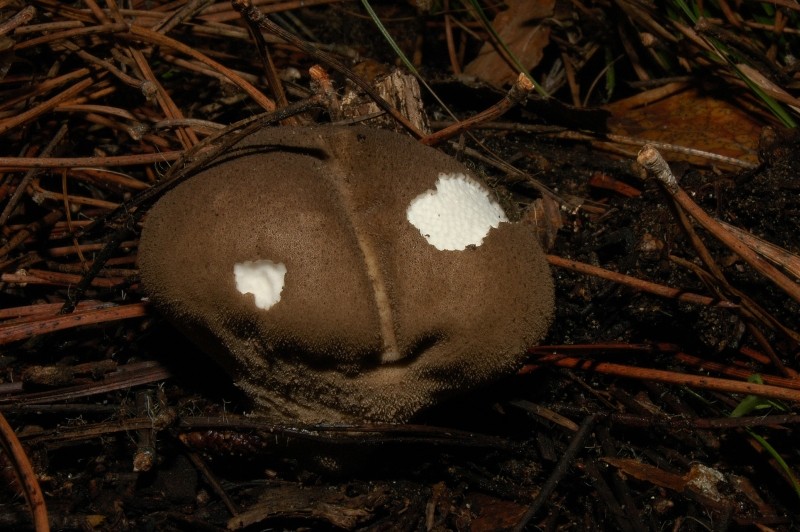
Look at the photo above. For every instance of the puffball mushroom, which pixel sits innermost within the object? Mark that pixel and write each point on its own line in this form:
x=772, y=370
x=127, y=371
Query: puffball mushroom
x=346, y=274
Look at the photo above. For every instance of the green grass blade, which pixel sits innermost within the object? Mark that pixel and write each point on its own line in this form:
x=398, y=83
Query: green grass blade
x=748, y=405
x=730, y=57
x=779, y=459
x=408, y=64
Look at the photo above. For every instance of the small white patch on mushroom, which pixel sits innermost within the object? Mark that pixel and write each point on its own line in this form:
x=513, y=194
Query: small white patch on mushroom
x=262, y=278
x=459, y=213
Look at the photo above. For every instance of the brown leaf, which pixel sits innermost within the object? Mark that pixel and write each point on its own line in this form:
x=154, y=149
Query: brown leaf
x=648, y=473
x=693, y=119
x=518, y=28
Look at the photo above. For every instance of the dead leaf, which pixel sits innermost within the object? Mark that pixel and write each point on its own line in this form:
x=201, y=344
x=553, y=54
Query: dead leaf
x=700, y=482
x=648, y=473
x=518, y=27
x=492, y=513
x=693, y=119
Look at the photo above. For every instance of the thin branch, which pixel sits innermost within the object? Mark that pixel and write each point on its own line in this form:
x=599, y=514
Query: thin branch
x=657, y=167
x=702, y=382
x=639, y=284
x=25, y=475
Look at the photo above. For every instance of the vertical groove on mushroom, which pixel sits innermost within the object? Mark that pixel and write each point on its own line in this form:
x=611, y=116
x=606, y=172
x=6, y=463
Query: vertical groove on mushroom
x=391, y=351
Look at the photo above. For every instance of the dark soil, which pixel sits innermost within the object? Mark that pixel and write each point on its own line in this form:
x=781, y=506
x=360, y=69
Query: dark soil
x=656, y=455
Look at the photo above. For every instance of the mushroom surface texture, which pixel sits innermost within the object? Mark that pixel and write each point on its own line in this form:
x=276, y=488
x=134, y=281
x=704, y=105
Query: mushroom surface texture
x=345, y=274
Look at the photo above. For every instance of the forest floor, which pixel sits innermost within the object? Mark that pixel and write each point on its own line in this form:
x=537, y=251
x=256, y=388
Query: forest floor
x=666, y=393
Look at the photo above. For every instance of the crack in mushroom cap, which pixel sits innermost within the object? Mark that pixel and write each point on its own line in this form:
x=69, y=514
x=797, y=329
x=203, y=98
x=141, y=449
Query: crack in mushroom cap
x=373, y=322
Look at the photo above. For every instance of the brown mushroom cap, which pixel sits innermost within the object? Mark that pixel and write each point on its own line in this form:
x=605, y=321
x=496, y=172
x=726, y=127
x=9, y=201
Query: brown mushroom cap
x=373, y=322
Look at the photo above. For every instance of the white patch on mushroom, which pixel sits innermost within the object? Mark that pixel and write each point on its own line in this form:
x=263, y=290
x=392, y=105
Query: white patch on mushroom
x=459, y=213
x=262, y=278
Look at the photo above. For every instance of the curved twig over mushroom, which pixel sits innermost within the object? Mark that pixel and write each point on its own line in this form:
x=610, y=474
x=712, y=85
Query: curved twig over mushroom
x=346, y=273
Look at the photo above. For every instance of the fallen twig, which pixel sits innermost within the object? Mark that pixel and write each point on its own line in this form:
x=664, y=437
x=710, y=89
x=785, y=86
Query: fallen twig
x=25, y=475
x=12, y=333
x=638, y=284
x=671, y=377
x=516, y=94
x=657, y=167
